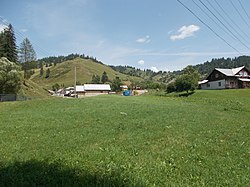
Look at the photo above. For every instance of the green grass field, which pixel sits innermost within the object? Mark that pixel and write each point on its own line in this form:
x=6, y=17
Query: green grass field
x=200, y=140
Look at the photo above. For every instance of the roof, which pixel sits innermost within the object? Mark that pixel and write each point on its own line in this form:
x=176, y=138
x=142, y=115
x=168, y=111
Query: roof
x=202, y=82
x=230, y=72
x=124, y=86
x=244, y=80
x=103, y=87
x=80, y=88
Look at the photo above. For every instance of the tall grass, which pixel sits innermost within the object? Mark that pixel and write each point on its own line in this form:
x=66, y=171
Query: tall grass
x=200, y=140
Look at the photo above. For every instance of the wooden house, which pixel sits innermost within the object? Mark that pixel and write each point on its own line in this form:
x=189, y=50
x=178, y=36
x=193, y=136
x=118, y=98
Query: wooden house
x=227, y=79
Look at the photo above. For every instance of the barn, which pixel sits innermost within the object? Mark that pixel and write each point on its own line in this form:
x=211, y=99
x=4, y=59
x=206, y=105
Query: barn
x=92, y=89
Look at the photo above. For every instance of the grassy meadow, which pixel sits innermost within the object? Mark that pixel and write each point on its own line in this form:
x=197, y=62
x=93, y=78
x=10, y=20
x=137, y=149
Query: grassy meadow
x=200, y=140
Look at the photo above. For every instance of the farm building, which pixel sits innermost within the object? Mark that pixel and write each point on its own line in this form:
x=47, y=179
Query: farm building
x=80, y=91
x=124, y=87
x=227, y=79
x=92, y=89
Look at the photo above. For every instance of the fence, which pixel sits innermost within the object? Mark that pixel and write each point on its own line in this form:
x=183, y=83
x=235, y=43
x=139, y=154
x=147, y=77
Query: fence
x=13, y=97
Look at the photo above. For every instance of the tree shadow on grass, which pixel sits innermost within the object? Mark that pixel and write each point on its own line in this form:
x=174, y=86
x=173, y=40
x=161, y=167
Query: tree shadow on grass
x=40, y=173
x=186, y=94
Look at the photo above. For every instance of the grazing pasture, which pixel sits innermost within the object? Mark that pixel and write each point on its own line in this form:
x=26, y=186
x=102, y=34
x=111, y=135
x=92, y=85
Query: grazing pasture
x=200, y=140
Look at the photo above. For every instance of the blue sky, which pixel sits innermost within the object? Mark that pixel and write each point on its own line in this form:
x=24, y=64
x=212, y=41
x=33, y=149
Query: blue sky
x=147, y=34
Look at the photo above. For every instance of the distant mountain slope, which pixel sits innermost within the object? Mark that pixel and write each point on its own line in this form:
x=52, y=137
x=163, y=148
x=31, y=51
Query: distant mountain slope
x=64, y=73
x=208, y=67
x=204, y=69
x=160, y=76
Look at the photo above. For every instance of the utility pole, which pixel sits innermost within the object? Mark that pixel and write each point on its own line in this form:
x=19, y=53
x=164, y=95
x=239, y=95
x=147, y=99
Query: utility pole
x=75, y=83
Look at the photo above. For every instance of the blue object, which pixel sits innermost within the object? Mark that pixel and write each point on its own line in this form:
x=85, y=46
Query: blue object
x=126, y=93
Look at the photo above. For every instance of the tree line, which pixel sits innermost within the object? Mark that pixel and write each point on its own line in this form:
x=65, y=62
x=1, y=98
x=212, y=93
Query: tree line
x=228, y=63
x=13, y=59
x=59, y=59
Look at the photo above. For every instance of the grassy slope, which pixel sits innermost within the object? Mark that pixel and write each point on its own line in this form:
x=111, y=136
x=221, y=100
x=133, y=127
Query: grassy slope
x=64, y=73
x=202, y=140
x=32, y=90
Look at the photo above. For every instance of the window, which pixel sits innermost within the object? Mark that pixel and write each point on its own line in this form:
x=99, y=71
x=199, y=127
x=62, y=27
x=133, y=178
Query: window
x=219, y=83
x=208, y=85
x=216, y=75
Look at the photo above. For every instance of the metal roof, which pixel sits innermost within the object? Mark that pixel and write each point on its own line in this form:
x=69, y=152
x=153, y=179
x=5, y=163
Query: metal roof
x=80, y=88
x=103, y=87
x=202, y=82
x=244, y=80
x=230, y=72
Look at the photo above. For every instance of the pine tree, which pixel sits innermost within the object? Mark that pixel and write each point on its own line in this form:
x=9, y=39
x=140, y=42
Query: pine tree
x=95, y=79
x=2, y=44
x=26, y=52
x=41, y=71
x=8, y=46
x=47, y=73
x=104, y=77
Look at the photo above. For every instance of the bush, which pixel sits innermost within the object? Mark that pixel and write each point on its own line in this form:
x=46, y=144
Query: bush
x=171, y=87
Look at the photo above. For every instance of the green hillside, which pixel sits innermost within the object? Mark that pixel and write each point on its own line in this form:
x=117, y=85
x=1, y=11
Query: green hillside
x=32, y=90
x=64, y=73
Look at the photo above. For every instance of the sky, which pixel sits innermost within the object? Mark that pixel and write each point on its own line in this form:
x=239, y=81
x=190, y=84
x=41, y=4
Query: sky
x=147, y=34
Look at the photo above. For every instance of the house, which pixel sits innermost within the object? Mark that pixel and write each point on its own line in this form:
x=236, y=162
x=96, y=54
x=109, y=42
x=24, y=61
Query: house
x=227, y=78
x=68, y=91
x=124, y=87
x=92, y=89
x=80, y=91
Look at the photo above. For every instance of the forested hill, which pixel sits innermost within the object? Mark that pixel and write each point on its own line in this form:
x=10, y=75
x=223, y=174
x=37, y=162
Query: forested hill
x=207, y=67
x=161, y=76
x=60, y=59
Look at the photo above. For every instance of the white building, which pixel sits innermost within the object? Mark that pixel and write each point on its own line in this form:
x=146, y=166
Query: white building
x=92, y=89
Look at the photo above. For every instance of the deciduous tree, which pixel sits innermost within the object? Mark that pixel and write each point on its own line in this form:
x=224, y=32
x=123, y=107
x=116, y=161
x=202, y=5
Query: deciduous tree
x=10, y=77
x=116, y=84
x=188, y=80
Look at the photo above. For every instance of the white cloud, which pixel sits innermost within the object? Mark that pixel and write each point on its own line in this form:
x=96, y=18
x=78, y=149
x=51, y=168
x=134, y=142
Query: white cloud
x=145, y=39
x=141, y=62
x=2, y=27
x=23, y=30
x=185, y=31
x=155, y=69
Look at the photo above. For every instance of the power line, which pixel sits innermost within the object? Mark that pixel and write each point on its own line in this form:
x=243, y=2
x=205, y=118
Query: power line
x=209, y=27
x=224, y=19
x=210, y=17
x=244, y=9
x=225, y=13
x=239, y=13
x=41, y=50
x=236, y=37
